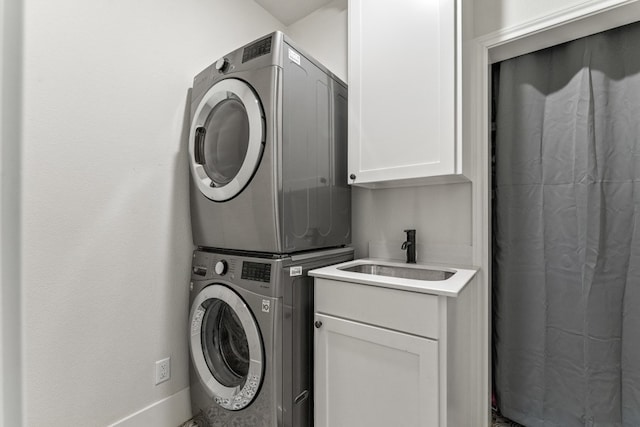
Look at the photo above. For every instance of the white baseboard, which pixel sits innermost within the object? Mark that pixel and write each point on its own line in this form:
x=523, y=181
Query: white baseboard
x=168, y=412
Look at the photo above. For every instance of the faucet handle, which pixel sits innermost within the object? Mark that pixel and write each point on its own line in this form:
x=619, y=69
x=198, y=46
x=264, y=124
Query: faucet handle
x=411, y=238
x=410, y=246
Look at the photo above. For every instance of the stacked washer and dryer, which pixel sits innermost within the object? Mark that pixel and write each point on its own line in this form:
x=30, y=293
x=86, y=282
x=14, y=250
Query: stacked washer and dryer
x=269, y=202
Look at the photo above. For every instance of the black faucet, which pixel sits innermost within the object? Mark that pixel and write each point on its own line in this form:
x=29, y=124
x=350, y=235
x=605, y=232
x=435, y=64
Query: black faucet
x=410, y=246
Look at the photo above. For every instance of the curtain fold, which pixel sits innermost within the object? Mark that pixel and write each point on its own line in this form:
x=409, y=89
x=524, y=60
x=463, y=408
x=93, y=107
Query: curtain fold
x=566, y=277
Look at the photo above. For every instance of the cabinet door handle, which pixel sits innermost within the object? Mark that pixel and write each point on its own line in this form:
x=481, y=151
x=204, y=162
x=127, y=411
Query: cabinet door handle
x=317, y=324
x=352, y=176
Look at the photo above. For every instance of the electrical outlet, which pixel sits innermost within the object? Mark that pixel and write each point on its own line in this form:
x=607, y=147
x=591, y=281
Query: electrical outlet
x=163, y=370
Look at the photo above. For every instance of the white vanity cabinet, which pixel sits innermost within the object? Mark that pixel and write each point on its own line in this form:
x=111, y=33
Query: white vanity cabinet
x=393, y=357
x=404, y=90
x=370, y=371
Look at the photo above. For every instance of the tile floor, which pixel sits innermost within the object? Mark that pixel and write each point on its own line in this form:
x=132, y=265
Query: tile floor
x=498, y=421
x=193, y=423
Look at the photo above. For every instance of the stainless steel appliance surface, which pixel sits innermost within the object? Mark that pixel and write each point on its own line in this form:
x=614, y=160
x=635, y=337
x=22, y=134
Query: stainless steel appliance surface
x=268, y=152
x=251, y=337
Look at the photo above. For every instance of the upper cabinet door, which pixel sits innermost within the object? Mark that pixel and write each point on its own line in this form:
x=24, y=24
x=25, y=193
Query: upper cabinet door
x=402, y=91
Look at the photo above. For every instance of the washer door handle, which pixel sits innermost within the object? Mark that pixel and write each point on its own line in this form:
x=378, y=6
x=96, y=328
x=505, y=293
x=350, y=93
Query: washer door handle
x=201, y=132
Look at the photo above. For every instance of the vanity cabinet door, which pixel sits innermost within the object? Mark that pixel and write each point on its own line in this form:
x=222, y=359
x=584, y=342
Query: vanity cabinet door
x=374, y=377
x=402, y=91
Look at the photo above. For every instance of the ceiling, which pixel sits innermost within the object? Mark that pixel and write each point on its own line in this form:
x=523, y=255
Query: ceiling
x=289, y=11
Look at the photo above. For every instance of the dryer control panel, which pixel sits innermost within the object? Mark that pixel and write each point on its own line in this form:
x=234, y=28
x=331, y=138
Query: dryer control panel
x=259, y=48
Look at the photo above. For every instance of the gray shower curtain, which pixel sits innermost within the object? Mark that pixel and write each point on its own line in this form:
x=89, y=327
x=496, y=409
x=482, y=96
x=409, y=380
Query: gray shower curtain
x=566, y=278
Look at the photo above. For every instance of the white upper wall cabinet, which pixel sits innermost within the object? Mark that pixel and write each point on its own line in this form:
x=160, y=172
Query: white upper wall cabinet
x=403, y=92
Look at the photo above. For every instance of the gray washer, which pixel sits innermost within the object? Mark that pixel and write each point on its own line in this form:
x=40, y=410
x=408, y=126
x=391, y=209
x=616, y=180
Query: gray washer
x=268, y=152
x=251, y=337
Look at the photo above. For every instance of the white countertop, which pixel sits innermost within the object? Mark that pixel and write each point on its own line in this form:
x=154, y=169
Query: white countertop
x=450, y=287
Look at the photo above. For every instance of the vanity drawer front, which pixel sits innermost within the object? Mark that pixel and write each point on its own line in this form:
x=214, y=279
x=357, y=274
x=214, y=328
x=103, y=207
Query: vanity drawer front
x=405, y=311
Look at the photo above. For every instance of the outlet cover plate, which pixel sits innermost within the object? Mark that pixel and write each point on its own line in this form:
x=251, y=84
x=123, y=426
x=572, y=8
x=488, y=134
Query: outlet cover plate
x=163, y=370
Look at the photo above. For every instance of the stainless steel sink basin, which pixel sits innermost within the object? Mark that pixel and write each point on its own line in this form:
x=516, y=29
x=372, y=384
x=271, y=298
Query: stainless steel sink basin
x=400, y=272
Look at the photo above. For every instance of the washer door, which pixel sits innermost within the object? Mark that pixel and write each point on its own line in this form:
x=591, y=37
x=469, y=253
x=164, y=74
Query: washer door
x=226, y=347
x=226, y=139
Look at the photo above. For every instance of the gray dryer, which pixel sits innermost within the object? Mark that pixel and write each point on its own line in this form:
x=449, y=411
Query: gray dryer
x=268, y=152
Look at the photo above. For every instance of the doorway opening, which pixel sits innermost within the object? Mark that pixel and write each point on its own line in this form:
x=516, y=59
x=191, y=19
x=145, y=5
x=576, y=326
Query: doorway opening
x=565, y=205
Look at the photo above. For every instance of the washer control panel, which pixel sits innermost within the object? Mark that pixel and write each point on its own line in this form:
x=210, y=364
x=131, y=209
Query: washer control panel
x=257, y=271
x=250, y=272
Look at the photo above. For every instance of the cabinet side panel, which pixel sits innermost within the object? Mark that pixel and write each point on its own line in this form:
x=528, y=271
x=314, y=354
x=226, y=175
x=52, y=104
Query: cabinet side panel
x=464, y=394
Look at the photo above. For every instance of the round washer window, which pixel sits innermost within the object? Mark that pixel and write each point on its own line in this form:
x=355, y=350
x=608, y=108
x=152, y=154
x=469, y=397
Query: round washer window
x=226, y=347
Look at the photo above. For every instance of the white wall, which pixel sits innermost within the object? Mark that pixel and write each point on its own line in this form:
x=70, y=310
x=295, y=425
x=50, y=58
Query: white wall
x=105, y=222
x=440, y=214
x=10, y=124
x=323, y=34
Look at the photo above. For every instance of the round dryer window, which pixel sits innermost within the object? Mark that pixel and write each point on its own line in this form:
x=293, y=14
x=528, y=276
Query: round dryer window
x=226, y=347
x=226, y=140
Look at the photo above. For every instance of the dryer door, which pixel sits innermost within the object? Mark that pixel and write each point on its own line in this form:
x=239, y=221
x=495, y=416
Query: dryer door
x=226, y=140
x=226, y=347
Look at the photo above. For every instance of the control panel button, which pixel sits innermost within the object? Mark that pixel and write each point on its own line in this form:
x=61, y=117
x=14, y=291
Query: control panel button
x=222, y=64
x=221, y=267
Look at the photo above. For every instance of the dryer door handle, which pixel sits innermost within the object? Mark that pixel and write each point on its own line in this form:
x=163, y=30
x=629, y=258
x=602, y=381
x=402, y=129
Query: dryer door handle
x=198, y=151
